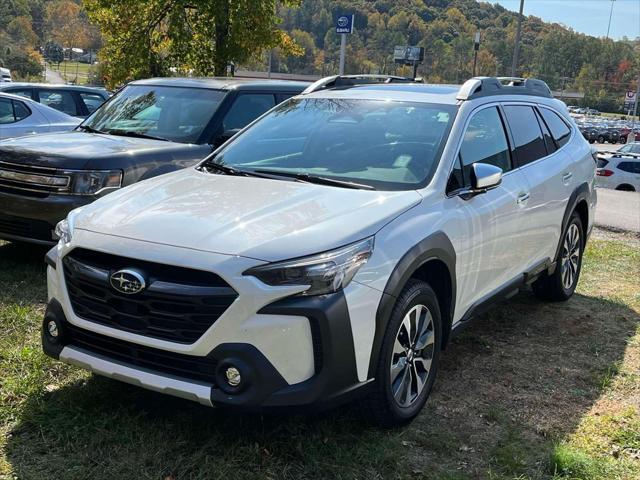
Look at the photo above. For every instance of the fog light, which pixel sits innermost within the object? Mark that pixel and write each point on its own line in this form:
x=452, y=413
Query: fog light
x=52, y=328
x=233, y=376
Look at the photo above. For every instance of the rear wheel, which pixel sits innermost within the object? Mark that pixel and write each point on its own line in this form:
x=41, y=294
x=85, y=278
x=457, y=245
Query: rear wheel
x=409, y=357
x=625, y=188
x=560, y=285
x=600, y=139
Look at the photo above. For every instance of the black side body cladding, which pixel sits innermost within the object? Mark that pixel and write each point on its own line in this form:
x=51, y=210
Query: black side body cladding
x=435, y=247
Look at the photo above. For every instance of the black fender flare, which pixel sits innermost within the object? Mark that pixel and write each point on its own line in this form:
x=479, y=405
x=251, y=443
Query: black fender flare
x=582, y=192
x=434, y=247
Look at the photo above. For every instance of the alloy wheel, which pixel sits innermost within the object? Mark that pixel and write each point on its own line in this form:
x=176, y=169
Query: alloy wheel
x=412, y=355
x=570, y=256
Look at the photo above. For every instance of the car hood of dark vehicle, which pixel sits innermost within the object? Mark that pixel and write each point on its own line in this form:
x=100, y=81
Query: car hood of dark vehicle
x=81, y=150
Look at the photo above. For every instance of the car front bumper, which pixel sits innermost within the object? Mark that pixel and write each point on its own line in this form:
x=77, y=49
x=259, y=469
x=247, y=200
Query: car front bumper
x=33, y=219
x=291, y=351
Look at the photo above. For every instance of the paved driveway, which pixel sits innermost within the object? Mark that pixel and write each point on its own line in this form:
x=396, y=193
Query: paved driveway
x=619, y=210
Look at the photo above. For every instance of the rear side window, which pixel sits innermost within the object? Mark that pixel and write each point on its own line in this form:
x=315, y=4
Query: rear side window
x=12, y=111
x=559, y=129
x=529, y=145
x=20, y=93
x=485, y=142
x=20, y=110
x=630, y=167
x=247, y=108
x=548, y=139
x=60, y=100
x=91, y=100
x=602, y=163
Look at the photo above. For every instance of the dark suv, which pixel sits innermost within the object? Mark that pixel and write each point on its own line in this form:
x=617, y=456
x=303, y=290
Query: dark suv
x=148, y=128
x=74, y=100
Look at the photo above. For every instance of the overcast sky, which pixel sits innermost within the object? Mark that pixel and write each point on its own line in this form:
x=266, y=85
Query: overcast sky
x=585, y=16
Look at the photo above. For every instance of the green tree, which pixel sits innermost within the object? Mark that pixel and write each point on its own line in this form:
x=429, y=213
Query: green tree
x=153, y=37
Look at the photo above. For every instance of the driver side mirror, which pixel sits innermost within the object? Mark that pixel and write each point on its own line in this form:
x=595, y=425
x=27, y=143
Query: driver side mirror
x=484, y=177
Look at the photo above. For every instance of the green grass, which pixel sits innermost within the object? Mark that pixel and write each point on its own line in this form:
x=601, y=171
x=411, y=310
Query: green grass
x=532, y=391
x=74, y=71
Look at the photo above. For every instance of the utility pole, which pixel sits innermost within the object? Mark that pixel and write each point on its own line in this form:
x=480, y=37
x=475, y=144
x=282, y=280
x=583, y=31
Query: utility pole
x=635, y=110
x=516, y=49
x=610, y=15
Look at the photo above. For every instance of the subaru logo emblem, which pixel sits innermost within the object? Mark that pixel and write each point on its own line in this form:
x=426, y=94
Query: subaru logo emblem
x=127, y=281
x=343, y=21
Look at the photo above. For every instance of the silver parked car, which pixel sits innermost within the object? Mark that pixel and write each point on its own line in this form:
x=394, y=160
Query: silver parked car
x=20, y=116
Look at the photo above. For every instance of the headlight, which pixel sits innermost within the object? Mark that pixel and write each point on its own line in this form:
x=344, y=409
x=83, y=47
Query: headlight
x=63, y=231
x=91, y=182
x=323, y=273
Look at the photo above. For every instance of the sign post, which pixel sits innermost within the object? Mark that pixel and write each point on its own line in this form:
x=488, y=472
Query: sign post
x=344, y=26
x=476, y=47
x=407, y=55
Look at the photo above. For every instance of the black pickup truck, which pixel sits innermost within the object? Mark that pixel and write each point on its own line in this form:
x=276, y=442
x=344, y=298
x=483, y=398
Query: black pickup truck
x=148, y=128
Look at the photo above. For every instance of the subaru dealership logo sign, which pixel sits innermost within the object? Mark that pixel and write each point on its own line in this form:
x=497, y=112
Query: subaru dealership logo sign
x=344, y=24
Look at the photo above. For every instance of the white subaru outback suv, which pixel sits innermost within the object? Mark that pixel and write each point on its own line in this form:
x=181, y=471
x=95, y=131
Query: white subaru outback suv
x=330, y=249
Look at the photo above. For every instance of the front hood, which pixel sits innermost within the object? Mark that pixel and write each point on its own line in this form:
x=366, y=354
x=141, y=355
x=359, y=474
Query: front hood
x=77, y=150
x=259, y=218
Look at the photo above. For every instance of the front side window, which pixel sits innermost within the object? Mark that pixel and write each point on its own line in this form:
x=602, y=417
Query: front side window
x=529, y=145
x=170, y=113
x=61, y=100
x=485, y=141
x=559, y=129
x=246, y=109
x=386, y=145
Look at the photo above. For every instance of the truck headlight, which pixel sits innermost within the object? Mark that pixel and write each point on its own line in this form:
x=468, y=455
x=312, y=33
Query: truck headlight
x=323, y=273
x=92, y=182
x=63, y=231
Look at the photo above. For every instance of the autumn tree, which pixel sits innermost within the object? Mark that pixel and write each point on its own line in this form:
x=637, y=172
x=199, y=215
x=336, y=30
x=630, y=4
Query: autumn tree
x=152, y=37
x=65, y=23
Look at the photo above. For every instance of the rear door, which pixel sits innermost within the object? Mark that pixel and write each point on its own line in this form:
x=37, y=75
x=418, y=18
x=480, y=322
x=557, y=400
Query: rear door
x=547, y=169
x=62, y=100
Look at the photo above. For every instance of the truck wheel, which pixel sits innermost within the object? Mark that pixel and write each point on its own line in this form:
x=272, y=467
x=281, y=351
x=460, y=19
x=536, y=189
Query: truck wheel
x=409, y=357
x=600, y=139
x=560, y=285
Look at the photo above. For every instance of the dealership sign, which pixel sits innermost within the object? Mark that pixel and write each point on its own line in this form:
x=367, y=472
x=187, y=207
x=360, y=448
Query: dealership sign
x=344, y=24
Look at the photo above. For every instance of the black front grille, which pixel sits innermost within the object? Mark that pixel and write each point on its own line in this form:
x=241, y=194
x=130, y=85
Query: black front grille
x=25, y=227
x=32, y=181
x=187, y=367
x=179, y=304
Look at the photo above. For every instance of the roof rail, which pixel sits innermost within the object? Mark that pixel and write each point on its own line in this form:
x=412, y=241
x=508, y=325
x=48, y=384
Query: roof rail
x=478, y=87
x=353, y=80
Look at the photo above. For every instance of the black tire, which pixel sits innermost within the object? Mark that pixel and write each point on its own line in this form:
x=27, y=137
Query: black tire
x=625, y=188
x=555, y=287
x=383, y=406
x=600, y=139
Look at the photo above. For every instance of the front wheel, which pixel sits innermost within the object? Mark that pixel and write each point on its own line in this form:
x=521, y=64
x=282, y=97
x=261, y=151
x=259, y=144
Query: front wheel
x=408, y=358
x=562, y=283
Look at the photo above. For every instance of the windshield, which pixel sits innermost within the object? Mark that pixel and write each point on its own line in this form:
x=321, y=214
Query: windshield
x=383, y=144
x=171, y=113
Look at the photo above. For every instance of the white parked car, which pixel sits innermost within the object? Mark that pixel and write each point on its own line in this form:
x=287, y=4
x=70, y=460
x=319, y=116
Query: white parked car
x=620, y=171
x=20, y=116
x=330, y=249
x=5, y=75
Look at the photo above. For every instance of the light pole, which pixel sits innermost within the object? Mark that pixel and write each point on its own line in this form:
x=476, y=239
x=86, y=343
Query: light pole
x=516, y=49
x=610, y=15
x=476, y=47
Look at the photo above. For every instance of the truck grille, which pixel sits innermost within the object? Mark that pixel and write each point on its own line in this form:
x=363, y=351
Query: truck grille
x=177, y=364
x=25, y=227
x=32, y=181
x=178, y=305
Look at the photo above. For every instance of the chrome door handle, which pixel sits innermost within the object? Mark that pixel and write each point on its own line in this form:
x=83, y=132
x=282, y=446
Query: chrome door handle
x=523, y=197
x=567, y=176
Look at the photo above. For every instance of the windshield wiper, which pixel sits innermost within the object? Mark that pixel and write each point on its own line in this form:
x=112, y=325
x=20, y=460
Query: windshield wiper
x=309, y=178
x=89, y=129
x=235, y=171
x=130, y=133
